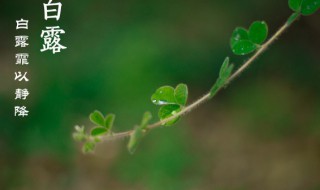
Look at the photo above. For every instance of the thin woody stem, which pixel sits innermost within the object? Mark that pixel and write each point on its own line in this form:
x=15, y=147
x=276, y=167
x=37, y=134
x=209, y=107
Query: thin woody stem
x=206, y=97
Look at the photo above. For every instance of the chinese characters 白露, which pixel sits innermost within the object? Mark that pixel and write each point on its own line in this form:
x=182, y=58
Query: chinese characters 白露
x=51, y=35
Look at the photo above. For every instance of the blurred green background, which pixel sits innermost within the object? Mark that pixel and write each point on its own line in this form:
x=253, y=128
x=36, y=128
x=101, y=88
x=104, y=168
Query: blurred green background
x=262, y=132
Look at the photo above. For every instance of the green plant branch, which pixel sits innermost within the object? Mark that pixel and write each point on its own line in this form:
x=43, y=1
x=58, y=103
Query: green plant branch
x=172, y=101
x=206, y=97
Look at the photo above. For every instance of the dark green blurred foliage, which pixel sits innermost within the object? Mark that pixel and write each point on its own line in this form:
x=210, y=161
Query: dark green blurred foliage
x=261, y=133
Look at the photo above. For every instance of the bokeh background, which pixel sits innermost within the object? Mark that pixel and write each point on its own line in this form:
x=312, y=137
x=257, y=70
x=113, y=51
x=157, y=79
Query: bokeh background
x=262, y=132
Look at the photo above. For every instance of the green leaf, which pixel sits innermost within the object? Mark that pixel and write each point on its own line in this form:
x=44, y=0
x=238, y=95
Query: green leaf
x=135, y=139
x=168, y=111
x=79, y=129
x=181, y=94
x=96, y=139
x=243, y=47
x=88, y=147
x=243, y=42
x=215, y=88
x=224, y=66
x=139, y=132
x=145, y=120
x=238, y=34
x=98, y=131
x=163, y=96
x=225, y=70
x=309, y=7
x=224, y=74
x=306, y=7
x=258, y=32
x=295, y=5
x=79, y=134
x=97, y=118
x=108, y=122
